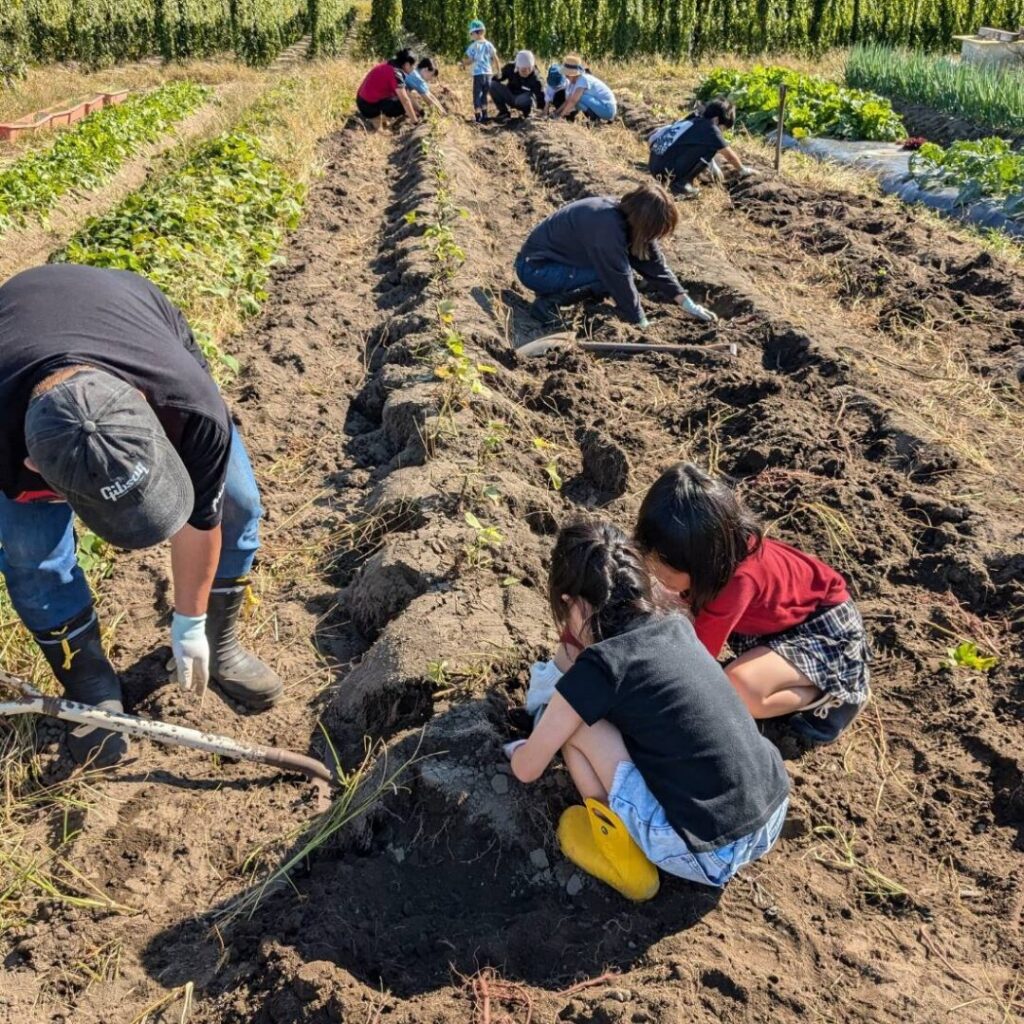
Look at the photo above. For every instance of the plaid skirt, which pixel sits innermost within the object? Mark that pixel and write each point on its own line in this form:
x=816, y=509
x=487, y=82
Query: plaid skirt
x=830, y=648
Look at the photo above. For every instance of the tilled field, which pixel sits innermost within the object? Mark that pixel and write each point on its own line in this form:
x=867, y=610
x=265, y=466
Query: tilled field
x=873, y=416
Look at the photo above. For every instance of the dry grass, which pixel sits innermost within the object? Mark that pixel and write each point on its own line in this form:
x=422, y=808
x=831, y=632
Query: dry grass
x=63, y=85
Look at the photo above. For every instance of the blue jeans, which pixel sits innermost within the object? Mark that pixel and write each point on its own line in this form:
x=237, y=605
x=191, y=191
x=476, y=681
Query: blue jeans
x=37, y=548
x=481, y=90
x=546, y=277
x=645, y=821
x=603, y=110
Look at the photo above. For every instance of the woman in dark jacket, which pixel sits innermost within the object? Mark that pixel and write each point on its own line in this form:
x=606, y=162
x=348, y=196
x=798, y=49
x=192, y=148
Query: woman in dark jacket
x=594, y=246
x=518, y=86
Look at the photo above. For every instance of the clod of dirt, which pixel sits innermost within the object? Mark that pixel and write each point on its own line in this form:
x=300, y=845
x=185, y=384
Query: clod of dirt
x=605, y=463
x=404, y=499
x=405, y=414
x=390, y=690
x=389, y=580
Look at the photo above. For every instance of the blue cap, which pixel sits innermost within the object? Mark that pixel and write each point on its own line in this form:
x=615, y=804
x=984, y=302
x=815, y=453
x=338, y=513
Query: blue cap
x=476, y=25
x=555, y=76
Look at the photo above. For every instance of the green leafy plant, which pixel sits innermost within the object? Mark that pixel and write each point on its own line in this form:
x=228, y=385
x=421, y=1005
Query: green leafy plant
x=87, y=155
x=485, y=539
x=554, y=477
x=495, y=435
x=815, y=106
x=210, y=228
x=459, y=368
x=977, y=169
x=966, y=655
x=95, y=555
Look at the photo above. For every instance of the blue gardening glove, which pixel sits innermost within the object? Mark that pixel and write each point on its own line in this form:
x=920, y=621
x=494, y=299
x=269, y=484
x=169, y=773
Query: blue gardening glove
x=696, y=310
x=191, y=651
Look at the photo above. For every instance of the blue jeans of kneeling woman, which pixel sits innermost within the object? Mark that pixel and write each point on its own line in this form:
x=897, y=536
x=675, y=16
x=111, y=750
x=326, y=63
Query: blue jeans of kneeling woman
x=37, y=548
x=548, y=277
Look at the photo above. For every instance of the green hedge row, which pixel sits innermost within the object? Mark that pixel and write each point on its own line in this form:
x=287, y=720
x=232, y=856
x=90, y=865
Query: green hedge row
x=691, y=27
x=104, y=32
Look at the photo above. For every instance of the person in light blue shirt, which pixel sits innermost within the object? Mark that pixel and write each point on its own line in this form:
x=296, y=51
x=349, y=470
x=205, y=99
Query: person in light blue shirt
x=585, y=92
x=418, y=83
x=483, y=58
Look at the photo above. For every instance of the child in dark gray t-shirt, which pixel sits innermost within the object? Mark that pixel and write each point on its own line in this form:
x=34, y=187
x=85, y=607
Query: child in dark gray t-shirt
x=649, y=727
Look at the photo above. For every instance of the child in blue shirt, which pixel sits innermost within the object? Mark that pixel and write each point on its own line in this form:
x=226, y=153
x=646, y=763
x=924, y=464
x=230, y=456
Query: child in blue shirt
x=483, y=57
x=418, y=82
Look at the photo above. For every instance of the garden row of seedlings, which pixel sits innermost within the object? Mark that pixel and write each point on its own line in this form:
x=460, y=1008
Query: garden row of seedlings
x=87, y=155
x=850, y=472
x=428, y=587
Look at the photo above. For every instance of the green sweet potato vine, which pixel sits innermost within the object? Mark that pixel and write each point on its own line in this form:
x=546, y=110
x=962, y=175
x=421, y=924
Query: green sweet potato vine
x=206, y=233
x=87, y=155
x=815, y=106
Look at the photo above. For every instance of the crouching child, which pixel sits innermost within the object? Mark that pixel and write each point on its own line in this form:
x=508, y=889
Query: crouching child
x=680, y=152
x=672, y=770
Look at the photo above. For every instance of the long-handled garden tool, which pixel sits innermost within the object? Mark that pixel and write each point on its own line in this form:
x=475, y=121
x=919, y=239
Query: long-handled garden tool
x=32, y=702
x=568, y=339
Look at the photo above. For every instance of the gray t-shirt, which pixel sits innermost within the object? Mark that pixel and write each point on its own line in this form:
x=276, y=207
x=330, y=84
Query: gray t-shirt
x=685, y=727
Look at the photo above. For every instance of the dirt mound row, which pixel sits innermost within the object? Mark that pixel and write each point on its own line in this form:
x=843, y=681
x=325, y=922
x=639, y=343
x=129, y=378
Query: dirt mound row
x=384, y=403
x=457, y=871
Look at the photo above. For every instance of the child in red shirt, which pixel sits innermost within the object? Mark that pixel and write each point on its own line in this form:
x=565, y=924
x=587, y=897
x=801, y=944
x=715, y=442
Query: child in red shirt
x=799, y=639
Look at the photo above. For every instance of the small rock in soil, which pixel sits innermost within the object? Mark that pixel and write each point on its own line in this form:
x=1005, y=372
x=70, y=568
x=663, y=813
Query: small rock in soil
x=499, y=783
x=574, y=886
x=539, y=859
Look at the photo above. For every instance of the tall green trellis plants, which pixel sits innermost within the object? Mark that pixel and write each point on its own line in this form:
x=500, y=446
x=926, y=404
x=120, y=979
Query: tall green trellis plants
x=681, y=28
x=98, y=33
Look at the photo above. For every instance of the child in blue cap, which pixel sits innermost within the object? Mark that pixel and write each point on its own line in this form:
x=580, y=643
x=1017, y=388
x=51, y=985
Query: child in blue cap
x=483, y=57
x=554, y=89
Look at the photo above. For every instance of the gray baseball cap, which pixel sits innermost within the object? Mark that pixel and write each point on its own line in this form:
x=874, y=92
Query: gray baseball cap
x=97, y=442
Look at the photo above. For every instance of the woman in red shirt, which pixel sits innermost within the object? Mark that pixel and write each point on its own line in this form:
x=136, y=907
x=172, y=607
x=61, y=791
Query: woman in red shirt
x=383, y=92
x=799, y=639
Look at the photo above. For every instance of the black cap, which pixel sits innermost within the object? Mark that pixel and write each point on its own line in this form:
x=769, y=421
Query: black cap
x=97, y=442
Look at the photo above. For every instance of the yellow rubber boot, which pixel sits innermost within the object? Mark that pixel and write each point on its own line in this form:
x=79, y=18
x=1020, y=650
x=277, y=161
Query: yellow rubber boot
x=595, y=839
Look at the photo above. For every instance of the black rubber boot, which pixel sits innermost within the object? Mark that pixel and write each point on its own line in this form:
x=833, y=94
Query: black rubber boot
x=75, y=654
x=238, y=672
x=545, y=308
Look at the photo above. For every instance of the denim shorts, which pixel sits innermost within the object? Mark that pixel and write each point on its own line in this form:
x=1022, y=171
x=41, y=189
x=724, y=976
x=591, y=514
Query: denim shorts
x=645, y=821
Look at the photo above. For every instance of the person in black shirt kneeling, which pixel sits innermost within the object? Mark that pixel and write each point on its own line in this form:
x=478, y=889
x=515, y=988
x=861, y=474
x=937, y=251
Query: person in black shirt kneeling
x=518, y=86
x=681, y=151
x=671, y=766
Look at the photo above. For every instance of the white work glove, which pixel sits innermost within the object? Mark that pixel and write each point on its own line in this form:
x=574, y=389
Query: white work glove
x=644, y=322
x=696, y=310
x=511, y=748
x=191, y=651
x=746, y=172
x=715, y=171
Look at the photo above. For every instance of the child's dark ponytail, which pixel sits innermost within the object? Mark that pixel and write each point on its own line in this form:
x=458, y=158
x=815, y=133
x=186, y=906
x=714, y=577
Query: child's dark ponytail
x=598, y=563
x=694, y=523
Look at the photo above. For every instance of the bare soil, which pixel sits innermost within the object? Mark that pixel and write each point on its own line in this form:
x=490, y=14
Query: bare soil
x=872, y=415
x=938, y=126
